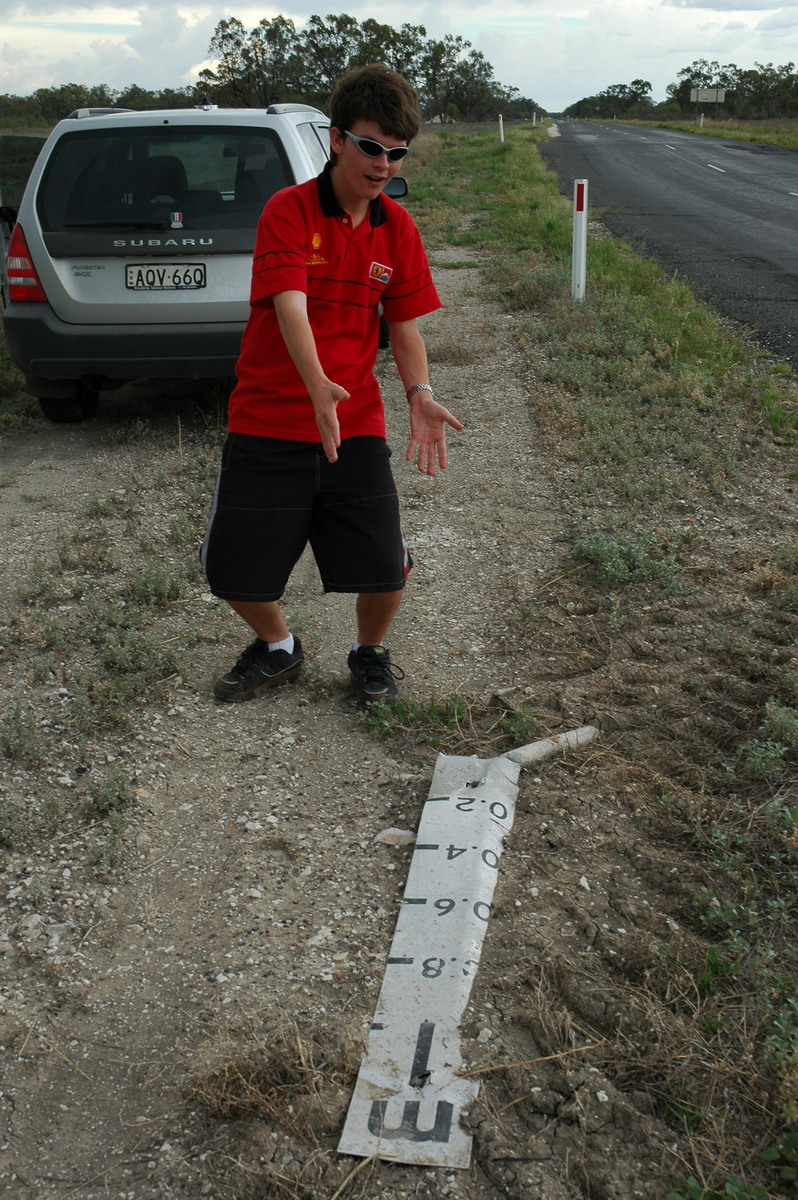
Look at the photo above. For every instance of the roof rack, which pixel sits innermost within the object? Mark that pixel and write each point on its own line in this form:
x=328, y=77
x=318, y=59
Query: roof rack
x=275, y=109
x=80, y=113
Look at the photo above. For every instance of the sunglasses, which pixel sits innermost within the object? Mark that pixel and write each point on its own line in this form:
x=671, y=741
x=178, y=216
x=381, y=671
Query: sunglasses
x=373, y=149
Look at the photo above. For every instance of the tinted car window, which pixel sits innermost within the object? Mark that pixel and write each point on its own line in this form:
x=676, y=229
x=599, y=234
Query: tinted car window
x=136, y=178
x=316, y=140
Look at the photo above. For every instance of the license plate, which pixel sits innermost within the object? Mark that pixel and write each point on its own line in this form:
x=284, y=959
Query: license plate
x=165, y=277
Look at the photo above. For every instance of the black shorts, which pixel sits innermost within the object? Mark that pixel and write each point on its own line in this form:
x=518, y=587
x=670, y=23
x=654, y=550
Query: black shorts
x=273, y=497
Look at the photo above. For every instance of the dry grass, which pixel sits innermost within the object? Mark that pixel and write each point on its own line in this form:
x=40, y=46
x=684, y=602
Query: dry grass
x=273, y=1101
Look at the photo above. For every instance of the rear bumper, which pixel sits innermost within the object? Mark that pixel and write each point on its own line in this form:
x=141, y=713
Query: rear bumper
x=49, y=351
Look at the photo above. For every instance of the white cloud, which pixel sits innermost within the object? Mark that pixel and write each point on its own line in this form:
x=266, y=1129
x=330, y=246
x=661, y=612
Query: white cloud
x=731, y=5
x=555, y=53
x=785, y=19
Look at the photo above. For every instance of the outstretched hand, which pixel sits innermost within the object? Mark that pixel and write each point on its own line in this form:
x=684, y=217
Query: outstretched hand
x=428, y=421
x=326, y=399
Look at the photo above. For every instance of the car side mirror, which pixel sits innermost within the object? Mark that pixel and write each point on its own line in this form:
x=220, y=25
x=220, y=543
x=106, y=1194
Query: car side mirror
x=8, y=216
x=396, y=188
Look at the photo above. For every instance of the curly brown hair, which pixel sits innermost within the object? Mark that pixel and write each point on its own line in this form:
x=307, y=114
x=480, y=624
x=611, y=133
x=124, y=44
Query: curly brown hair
x=376, y=93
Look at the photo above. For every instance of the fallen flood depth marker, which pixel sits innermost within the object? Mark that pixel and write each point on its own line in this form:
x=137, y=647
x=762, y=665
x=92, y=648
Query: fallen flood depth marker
x=410, y=1092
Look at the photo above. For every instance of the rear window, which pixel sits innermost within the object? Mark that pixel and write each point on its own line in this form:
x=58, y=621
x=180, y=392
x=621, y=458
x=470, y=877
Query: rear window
x=136, y=179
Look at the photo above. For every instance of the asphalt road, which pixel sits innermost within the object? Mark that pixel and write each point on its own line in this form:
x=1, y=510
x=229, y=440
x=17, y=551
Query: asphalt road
x=723, y=214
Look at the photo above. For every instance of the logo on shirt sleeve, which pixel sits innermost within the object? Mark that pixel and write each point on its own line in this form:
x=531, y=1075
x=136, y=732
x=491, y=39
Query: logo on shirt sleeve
x=381, y=273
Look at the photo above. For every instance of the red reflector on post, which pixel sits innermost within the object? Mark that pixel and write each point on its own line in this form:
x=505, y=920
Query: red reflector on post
x=580, y=197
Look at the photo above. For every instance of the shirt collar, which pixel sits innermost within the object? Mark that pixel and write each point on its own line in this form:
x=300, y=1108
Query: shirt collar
x=331, y=208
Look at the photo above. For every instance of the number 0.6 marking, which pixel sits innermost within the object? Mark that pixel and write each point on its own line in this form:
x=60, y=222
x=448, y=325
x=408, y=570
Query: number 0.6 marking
x=445, y=905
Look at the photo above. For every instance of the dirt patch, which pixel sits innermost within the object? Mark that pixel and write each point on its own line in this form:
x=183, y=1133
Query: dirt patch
x=187, y=989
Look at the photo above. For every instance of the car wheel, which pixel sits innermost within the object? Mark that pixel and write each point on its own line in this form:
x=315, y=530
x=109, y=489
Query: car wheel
x=71, y=409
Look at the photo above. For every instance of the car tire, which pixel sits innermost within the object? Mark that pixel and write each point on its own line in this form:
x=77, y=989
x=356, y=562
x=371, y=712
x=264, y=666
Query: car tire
x=71, y=409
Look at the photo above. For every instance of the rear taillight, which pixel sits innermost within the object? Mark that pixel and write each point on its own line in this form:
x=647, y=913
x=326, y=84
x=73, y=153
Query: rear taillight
x=23, y=282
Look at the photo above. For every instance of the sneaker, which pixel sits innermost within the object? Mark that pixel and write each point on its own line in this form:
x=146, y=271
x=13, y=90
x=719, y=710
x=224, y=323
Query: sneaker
x=373, y=675
x=258, y=668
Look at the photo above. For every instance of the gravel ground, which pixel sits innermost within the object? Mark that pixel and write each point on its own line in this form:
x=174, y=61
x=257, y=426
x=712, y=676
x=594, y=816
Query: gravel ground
x=185, y=1001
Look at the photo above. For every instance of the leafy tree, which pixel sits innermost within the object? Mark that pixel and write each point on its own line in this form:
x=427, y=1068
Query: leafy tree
x=700, y=74
x=328, y=48
x=401, y=49
x=56, y=103
x=274, y=59
x=760, y=91
x=473, y=88
x=619, y=100
x=230, y=82
x=438, y=75
x=275, y=62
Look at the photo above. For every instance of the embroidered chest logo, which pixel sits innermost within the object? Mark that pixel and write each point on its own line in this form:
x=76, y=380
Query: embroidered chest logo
x=316, y=259
x=381, y=273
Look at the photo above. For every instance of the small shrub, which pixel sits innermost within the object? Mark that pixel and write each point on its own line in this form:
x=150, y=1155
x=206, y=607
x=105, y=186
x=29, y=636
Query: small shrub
x=780, y=724
x=619, y=565
x=733, y=1189
x=155, y=584
x=39, y=893
x=781, y=1057
x=109, y=795
x=783, y=1157
x=110, y=852
x=519, y=726
x=19, y=736
x=432, y=720
x=761, y=759
x=138, y=654
x=9, y=823
x=52, y=812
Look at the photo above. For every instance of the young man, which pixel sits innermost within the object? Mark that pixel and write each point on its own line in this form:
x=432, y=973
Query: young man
x=305, y=459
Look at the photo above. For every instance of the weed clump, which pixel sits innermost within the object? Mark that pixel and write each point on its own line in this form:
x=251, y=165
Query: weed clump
x=621, y=564
x=19, y=735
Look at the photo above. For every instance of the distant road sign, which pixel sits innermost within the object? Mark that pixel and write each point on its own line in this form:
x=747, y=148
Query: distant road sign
x=708, y=95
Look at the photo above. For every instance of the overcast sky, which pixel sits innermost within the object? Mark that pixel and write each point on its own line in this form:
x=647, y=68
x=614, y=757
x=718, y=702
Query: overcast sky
x=555, y=53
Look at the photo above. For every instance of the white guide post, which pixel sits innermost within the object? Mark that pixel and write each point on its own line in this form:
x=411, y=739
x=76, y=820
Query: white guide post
x=501, y=128
x=579, y=254
x=411, y=1089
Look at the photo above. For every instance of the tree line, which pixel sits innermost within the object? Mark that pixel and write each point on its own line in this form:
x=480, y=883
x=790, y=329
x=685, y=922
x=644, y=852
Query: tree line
x=277, y=63
x=752, y=93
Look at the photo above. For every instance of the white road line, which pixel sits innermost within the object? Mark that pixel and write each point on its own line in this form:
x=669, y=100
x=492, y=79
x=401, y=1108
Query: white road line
x=714, y=168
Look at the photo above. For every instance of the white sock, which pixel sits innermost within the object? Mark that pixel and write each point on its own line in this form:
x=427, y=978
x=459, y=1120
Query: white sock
x=285, y=644
x=356, y=646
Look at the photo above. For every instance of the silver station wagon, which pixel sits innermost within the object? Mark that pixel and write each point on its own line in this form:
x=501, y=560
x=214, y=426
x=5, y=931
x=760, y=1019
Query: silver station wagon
x=130, y=254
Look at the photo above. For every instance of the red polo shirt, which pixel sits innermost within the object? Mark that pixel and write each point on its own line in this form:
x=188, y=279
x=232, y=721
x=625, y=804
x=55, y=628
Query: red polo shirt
x=305, y=243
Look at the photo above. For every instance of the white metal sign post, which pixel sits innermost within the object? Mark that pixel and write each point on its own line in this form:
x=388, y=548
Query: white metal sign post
x=409, y=1093
x=579, y=253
